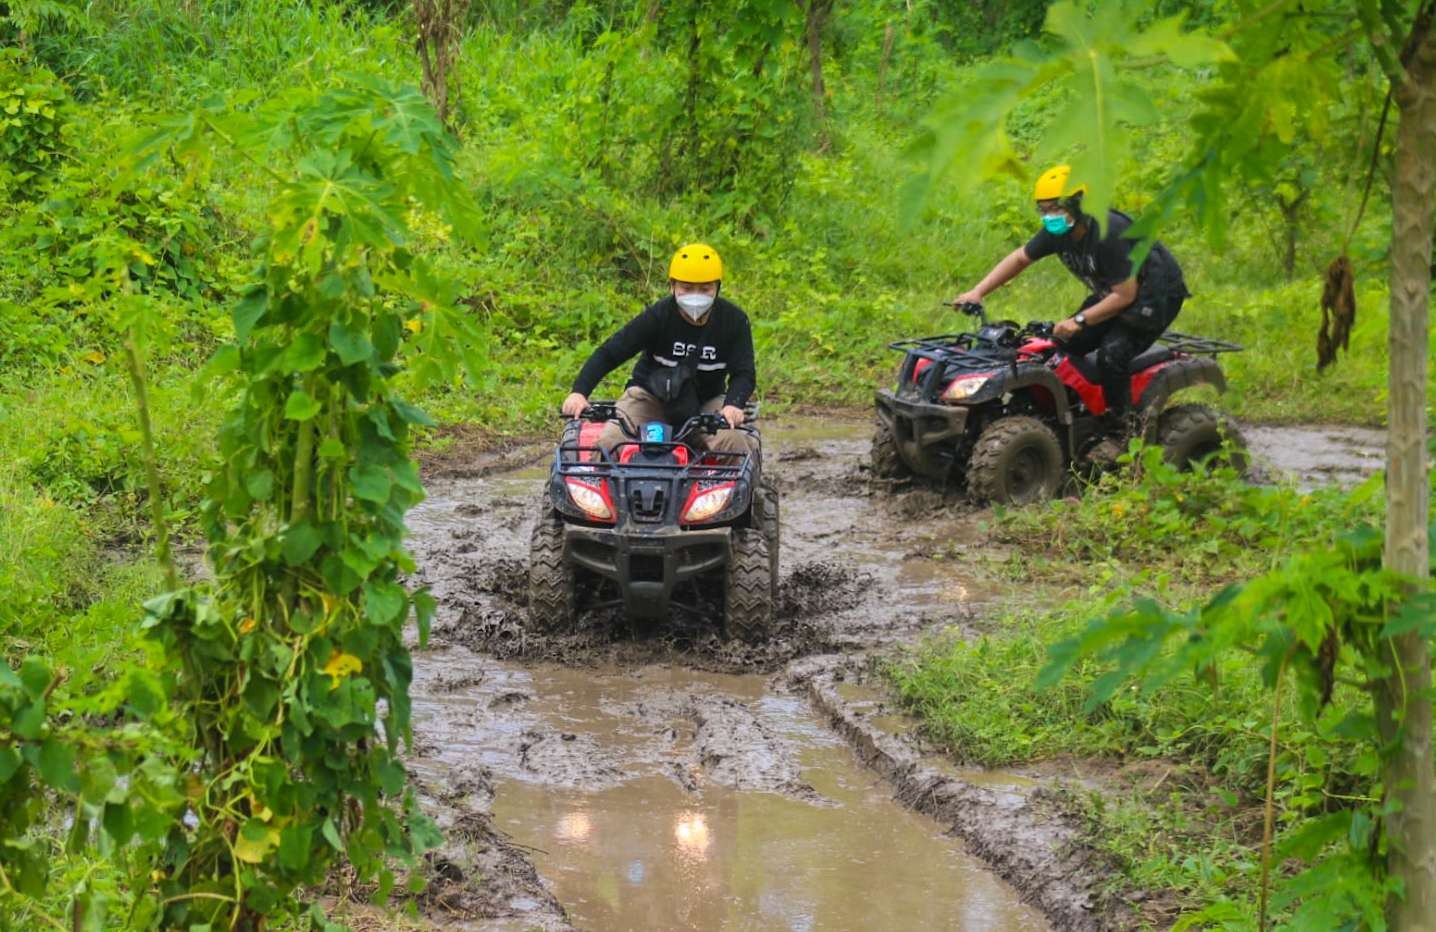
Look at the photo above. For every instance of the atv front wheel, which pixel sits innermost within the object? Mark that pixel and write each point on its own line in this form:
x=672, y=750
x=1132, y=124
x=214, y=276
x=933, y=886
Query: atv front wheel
x=887, y=463
x=1016, y=461
x=748, y=596
x=552, y=594
x=772, y=531
x=1192, y=433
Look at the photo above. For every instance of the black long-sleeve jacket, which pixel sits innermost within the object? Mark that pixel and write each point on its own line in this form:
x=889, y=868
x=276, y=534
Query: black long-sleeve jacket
x=720, y=352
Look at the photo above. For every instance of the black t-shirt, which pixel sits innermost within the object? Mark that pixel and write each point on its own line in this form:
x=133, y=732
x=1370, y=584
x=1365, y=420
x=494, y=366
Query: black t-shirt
x=719, y=353
x=1103, y=264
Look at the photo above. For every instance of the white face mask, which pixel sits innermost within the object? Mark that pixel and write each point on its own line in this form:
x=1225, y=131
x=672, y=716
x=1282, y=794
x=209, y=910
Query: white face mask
x=694, y=306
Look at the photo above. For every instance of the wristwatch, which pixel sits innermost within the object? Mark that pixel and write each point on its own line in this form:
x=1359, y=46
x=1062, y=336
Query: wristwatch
x=1081, y=318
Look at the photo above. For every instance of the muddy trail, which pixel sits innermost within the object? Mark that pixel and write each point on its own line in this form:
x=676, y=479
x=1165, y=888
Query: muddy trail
x=613, y=779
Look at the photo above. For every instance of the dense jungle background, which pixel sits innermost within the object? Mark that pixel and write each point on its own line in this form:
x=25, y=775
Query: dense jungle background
x=500, y=185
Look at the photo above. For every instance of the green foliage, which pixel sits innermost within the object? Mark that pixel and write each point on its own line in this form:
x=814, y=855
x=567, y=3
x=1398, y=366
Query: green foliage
x=574, y=109
x=969, y=128
x=303, y=629
x=33, y=106
x=1192, y=527
x=1190, y=690
x=262, y=727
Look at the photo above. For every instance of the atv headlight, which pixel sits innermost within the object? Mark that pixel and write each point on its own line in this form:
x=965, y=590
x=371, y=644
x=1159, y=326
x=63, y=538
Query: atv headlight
x=591, y=499
x=965, y=387
x=707, y=500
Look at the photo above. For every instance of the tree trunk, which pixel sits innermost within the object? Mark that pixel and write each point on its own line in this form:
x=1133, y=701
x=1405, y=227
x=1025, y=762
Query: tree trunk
x=889, y=34
x=1403, y=703
x=818, y=11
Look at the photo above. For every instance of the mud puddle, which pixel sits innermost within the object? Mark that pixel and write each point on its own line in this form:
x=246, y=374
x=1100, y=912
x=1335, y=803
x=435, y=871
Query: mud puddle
x=1313, y=456
x=617, y=779
x=663, y=798
x=860, y=564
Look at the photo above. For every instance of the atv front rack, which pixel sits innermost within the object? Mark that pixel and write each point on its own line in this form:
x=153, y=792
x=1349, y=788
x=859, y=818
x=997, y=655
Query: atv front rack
x=706, y=465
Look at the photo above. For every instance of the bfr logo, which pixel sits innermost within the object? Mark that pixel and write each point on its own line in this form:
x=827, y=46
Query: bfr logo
x=681, y=349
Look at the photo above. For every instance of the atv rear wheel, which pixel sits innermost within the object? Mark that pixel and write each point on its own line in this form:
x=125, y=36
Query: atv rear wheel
x=886, y=461
x=1016, y=460
x=1191, y=433
x=748, y=596
x=552, y=593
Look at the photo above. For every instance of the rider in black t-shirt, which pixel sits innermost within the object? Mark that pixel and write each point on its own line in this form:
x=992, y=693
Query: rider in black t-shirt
x=1125, y=312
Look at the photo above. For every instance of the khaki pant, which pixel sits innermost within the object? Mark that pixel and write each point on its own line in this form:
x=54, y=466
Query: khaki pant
x=639, y=406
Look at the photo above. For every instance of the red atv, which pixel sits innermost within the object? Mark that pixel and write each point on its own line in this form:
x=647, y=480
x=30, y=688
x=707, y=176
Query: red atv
x=1005, y=413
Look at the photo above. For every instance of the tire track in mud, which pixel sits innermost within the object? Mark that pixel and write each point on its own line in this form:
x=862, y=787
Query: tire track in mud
x=497, y=704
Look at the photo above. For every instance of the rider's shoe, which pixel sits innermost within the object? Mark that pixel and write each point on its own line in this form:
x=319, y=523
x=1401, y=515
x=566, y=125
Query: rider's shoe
x=1117, y=429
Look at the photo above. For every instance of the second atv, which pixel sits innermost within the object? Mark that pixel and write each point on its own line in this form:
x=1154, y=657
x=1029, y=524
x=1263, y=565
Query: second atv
x=656, y=524
x=1004, y=413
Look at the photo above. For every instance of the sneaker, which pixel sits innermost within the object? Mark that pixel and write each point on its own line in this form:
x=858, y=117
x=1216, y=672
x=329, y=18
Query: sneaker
x=1105, y=452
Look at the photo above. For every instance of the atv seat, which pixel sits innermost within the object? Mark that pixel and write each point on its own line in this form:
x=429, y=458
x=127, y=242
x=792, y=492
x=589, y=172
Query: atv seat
x=1149, y=358
x=1087, y=365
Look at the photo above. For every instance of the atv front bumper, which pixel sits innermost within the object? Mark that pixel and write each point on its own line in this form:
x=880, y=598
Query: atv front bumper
x=648, y=566
x=925, y=433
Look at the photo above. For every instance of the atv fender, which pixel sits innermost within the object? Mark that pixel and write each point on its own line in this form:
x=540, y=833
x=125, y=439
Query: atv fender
x=1177, y=375
x=1038, y=377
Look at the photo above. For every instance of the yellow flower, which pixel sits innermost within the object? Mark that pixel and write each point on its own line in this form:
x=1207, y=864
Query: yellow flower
x=1118, y=509
x=414, y=326
x=341, y=665
x=248, y=625
x=94, y=357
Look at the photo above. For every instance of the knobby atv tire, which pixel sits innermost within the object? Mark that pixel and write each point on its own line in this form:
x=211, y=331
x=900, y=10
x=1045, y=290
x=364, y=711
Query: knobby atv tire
x=1191, y=433
x=552, y=593
x=748, y=595
x=768, y=512
x=1016, y=461
x=886, y=461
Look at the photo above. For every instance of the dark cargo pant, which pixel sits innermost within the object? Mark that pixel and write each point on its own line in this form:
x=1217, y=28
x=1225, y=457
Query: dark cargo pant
x=1117, y=343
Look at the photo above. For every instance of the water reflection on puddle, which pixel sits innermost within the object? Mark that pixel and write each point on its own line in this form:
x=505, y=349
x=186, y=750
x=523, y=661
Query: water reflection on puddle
x=646, y=853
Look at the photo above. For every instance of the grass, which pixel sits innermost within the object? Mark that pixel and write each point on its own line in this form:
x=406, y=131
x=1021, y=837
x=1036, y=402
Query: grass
x=1183, y=767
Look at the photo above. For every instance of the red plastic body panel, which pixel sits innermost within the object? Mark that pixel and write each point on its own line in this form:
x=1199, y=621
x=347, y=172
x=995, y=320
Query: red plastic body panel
x=629, y=450
x=1142, y=379
x=588, y=437
x=1089, y=392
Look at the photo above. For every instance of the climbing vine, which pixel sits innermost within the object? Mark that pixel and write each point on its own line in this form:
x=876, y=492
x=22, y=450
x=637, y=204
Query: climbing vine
x=262, y=748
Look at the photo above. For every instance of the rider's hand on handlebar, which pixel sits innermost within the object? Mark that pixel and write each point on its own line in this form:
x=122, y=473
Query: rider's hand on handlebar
x=574, y=405
x=732, y=414
x=1065, y=330
x=967, y=297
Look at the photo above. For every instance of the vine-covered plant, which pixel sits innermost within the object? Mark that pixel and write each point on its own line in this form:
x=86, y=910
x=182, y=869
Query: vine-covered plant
x=293, y=663
x=261, y=746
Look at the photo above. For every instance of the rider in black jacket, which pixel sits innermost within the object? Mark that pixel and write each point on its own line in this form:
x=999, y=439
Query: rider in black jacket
x=695, y=352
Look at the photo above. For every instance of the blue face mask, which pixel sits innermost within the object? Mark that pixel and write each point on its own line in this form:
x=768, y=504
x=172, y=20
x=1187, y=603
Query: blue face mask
x=1056, y=224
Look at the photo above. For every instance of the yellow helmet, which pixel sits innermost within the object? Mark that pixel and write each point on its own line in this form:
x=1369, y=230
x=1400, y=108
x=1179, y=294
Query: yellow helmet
x=1056, y=183
x=696, y=263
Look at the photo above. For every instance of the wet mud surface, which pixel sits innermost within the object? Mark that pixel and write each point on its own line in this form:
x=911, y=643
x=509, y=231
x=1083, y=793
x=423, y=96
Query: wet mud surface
x=614, y=779
x=1313, y=456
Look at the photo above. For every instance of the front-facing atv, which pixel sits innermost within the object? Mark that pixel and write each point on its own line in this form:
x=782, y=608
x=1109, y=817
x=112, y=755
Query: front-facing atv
x=1004, y=412
x=658, y=523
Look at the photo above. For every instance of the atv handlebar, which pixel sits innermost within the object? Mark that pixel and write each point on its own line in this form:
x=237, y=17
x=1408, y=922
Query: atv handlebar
x=707, y=422
x=970, y=308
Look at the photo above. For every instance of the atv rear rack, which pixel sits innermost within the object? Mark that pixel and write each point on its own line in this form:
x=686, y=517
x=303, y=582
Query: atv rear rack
x=1196, y=346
